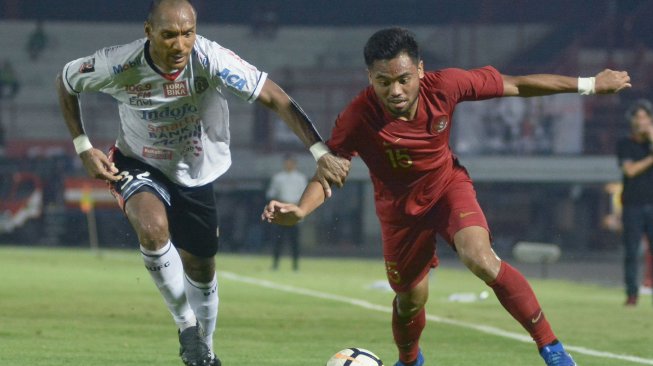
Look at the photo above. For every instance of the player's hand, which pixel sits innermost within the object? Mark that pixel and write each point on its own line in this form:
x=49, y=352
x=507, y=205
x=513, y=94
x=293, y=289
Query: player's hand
x=280, y=213
x=610, y=81
x=99, y=166
x=332, y=169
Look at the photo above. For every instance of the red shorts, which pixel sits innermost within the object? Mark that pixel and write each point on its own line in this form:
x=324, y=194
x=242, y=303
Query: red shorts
x=409, y=243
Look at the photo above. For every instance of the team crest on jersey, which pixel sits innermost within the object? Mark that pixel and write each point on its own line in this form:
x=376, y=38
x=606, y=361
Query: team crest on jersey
x=201, y=84
x=175, y=89
x=439, y=124
x=88, y=66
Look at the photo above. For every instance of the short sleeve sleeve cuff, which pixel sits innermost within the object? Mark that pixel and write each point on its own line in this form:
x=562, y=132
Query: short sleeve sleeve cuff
x=259, y=86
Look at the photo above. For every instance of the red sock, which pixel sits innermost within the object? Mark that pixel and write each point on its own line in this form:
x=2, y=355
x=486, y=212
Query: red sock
x=407, y=332
x=517, y=296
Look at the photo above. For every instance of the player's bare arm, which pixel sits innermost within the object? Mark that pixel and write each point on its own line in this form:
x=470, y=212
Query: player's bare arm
x=331, y=169
x=288, y=214
x=605, y=82
x=632, y=169
x=96, y=163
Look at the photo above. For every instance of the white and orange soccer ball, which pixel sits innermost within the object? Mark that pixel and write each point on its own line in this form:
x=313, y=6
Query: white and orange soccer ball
x=354, y=357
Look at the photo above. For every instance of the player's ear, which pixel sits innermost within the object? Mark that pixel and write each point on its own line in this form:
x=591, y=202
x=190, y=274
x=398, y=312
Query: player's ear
x=420, y=69
x=148, y=29
x=369, y=76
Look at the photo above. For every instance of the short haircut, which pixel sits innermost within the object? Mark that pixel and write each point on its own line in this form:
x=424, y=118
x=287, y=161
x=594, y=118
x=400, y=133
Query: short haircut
x=154, y=6
x=388, y=43
x=640, y=104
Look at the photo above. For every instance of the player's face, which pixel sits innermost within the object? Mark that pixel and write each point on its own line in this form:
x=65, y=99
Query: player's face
x=641, y=124
x=172, y=35
x=396, y=84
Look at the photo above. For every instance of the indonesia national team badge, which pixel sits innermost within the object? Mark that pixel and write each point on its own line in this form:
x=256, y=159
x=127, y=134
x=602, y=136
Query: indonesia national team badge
x=440, y=124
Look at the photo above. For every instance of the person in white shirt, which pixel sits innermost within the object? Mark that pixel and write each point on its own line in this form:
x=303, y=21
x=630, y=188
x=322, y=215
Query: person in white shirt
x=286, y=186
x=172, y=144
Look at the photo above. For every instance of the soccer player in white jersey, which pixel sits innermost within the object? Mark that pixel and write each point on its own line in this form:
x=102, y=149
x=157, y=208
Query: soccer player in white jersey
x=173, y=142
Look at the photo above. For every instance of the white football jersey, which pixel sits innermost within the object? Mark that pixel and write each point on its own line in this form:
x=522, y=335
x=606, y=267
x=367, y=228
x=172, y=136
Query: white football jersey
x=180, y=126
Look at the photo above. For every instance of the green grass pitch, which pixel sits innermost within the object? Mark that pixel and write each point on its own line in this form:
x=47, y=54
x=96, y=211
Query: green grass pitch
x=73, y=307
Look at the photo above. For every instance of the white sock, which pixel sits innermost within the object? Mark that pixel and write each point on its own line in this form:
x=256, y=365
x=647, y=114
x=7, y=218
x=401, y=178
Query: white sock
x=167, y=272
x=203, y=299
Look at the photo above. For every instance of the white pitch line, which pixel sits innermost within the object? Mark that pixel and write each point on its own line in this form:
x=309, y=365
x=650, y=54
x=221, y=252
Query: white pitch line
x=386, y=309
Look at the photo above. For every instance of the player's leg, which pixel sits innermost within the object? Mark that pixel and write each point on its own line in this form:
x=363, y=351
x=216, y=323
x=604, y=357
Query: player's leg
x=409, y=320
x=467, y=229
x=633, y=229
x=194, y=228
x=512, y=289
x=147, y=215
x=142, y=195
x=409, y=252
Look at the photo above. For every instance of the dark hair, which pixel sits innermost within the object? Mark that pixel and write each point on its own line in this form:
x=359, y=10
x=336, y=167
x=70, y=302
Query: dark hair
x=154, y=6
x=388, y=43
x=643, y=104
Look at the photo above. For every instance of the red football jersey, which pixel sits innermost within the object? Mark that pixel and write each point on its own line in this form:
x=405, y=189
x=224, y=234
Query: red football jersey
x=411, y=162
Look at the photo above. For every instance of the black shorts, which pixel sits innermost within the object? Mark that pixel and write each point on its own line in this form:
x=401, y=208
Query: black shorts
x=192, y=211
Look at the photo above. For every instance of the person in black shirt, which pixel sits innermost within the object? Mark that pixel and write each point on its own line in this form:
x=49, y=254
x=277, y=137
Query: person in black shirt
x=635, y=154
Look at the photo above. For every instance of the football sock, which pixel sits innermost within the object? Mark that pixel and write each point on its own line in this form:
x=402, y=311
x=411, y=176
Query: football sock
x=518, y=298
x=406, y=332
x=167, y=272
x=203, y=299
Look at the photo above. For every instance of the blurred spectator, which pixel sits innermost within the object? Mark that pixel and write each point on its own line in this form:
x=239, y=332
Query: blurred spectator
x=286, y=186
x=37, y=41
x=635, y=154
x=613, y=222
x=9, y=85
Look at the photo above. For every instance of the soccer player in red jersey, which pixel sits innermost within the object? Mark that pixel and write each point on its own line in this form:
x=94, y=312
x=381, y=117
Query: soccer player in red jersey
x=400, y=126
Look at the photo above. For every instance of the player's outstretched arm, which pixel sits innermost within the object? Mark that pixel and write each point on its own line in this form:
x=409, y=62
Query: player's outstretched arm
x=605, y=82
x=289, y=214
x=330, y=168
x=96, y=163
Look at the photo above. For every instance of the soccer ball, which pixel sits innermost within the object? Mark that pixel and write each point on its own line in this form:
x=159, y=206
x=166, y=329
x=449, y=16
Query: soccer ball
x=354, y=357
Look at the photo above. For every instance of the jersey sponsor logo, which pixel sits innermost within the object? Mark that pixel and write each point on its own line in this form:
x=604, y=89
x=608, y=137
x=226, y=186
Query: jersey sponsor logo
x=158, y=154
x=234, y=80
x=139, y=102
x=142, y=90
x=176, y=113
x=439, y=124
x=201, y=84
x=193, y=147
x=141, y=94
x=117, y=69
x=177, y=133
x=87, y=66
x=175, y=89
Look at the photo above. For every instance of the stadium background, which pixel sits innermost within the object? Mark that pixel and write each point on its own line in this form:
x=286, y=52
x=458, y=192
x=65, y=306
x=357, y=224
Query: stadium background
x=541, y=167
